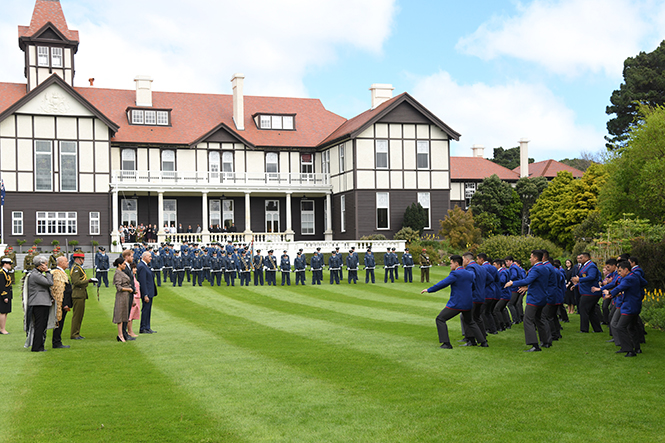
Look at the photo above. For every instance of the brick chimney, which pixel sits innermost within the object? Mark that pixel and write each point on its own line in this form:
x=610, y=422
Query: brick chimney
x=381, y=93
x=478, y=150
x=143, y=90
x=524, y=157
x=238, y=82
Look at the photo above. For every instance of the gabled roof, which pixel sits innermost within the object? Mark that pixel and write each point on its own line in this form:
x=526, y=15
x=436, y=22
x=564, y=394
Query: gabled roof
x=351, y=128
x=194, y=116
x=549, y=169
x=478, y=168
x=48, y=11
x=7, y=108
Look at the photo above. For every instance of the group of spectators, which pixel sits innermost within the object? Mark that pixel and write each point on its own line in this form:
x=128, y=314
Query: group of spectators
x=148, y=233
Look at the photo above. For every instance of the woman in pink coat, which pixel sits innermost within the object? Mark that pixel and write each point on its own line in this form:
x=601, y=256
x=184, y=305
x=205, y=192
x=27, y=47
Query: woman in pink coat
x=135, y=313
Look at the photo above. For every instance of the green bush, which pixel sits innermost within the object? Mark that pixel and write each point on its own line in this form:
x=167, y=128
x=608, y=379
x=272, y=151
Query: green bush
x=374, y=237
x=651, y=255
x=653, y=309
x=518, y=246
x=407, y=234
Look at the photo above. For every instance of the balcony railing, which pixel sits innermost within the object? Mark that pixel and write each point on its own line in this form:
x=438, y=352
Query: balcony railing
x=224, y=180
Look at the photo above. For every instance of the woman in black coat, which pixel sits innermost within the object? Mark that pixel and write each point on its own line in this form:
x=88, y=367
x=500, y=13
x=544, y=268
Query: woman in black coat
x=569, y=297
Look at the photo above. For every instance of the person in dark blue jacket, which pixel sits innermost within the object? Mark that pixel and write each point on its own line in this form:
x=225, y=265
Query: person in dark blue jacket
x=389, y=267
x=514, y=306
x=536, y=300
x=285, y=267
x=479, y=282
x=317, y=267
x=215, y=269
x=627, y=330
x=407, y=263
x=299, y=264
x=102, y=266
x=352, y=267
x=270, y=264
x=178, y=269
x=156, y=265
x=370, y=264
x=501, y=316
x=257, y=265
x=588, y=277
x=460, y=302
x=197, y=268
x=491, y=297
x=334, y=264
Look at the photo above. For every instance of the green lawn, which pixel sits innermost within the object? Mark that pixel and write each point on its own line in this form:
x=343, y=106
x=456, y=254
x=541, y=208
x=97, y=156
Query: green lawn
x=356, y=363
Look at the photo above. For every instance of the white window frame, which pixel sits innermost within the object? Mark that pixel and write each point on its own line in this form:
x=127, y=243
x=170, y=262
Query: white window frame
x=307, y=227
x=215, y=213
x=381, y=152
x=50, y=158
x=469, y=190
x=162, y=118
x=325, y=162
x=272, y=175
x=383, y=203
x=129, y=215
x=422, y=151
x=56, y=223
x=287, y=122
x=342, y=158
x=272, y=216
x=170, y=215
x=57, y=60
x=167, y=161
x=42, y=56
x=265, y=122
x=95, y=223
x=227, y=165
x=228, y=212
x=342, y=204
x=124, y=157
x=17, y=222
x=65, y=175
x=307, y=167
x=150, y=117
x=214, y=165
x=137, y=117
x=276, y=122
x=425, y=202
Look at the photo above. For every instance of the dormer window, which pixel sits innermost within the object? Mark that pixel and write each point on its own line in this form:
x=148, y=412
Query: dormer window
x=56, y=57
x=42, y=56
x=149, y=117
x=49, y=57
x=275, y=122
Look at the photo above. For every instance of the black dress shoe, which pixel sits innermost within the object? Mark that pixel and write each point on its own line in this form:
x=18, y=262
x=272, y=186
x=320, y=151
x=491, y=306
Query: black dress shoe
x=446, y=346
x=484, y=345
x=631, y=354
x=61, y=347
x=533, y=349
x=144, y=332
x=130, y=338
x=80, y=337
x=621, y=352
x=152, y=331
x=547, y=345
x=40, y=350
x=470, y=343
x=639, y=351
x=464, y=340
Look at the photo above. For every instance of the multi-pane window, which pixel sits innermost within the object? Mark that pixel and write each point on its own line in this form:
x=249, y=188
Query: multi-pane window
x=162, y=118
x=382, y=210
x=341, y=157
x=272, y=165
x=42, y=56
x=213, y=165
x=43, y=165
x=325, y=162
x=272, y=215
x=382, y=154
x=306, y=166
x=307, y=217
x=137, y=117
x=342, y=204
x=171, y=212
x=168, y=163
x=17, y=223
x=129, y=211
x=94, y=223
x=422, y=155
x=227, y=164
x=276, y=122
x=215, y=213
x=56, y=223
x=227, y=213
x=423, y=199
x=469, y=190
x=56, y=57
x=128, y=160
x=68, y=166
x=150, y=117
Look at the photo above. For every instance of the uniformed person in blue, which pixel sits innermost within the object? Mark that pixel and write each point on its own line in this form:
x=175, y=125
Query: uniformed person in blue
x=245, y=268
x=206, y=265
x=167, y=263
x=299, y=264
x=229, y=247
x=231, y=269
x=395, y=263
x=340, y=257
x=389, y=267
x=352, y=267
x=187, y=255
x=197, y=271
x=102, y=266
x=215, y=269
x=407, y=263
x=156, y=266
x=178, y=269
x=334, y=265
x=285, y=267
x=257, y=265
x=370, y=264
x=317, y=267
x=270, y=264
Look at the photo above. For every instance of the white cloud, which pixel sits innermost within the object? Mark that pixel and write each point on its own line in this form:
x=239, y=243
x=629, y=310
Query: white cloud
x=197, y=46
x=495, y=116
x=570, y=37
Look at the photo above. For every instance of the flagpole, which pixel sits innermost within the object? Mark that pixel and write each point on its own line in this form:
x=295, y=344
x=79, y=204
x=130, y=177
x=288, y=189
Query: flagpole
x=2, y=211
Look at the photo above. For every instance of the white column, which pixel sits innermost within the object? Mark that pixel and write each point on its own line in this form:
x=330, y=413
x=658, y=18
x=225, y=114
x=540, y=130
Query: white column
x=114, y=213
x=248, y=216
x=204, y=208
x=289, y=228
x=160, y=212
x=329, y=232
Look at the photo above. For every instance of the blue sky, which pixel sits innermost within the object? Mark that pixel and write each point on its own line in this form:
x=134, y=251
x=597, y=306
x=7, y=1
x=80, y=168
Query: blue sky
x=496, y=71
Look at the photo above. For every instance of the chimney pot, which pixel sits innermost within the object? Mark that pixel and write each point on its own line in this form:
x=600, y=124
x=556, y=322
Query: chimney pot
x=524, y=157
x=381, y=93
x=478, y=150
x=143, y=90
x=238, y=82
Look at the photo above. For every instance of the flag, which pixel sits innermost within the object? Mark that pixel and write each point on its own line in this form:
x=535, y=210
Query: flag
x=2, y=192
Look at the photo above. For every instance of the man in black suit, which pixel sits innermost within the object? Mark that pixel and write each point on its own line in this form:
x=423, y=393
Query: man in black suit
x=148, y=291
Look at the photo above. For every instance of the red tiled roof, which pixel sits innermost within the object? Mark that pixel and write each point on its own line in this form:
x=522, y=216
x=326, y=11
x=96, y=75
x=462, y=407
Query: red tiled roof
x=194, y=115
x=478, y=168
x=549, y=169
x=48, y=11
x=10, y=93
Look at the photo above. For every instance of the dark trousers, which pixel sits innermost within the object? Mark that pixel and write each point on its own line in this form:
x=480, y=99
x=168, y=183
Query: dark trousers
x=424, y=275
x=369, y=273
x=286, y=278
x=39, y=319
x=258, y=277
x=179, y=277
x=78, y=308
x=103, y=276
x=501, y=317
x=317, y=276
x=554, y=326
x=396, y=270
x=606, y=310
x=334, y=276
x=353, y=277
x=615, y=315
x=627, y=332
x=473, y=332
x=57, y=332
x=230, y=278
x=271, y=277
x=512, y=307
x=146, y=310
x=408, y=275
x=158, y=278
x=563, y=314
x=300, y=277
x=488, y=315
x=588, y=313
x=188, y=271
x=389, y=271
x=533, y=320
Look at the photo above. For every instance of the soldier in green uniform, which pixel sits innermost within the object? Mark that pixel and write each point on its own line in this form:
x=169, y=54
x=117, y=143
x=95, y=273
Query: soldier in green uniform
x=10, y=254
x=27, y=261
x=53, y=259
x=79, y=282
